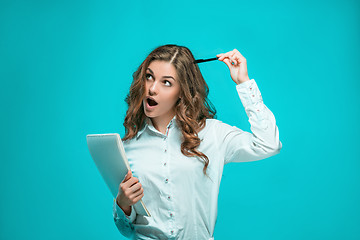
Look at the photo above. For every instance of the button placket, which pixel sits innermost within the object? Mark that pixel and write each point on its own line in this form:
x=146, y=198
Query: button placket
x=165, y=145
x=167, y=180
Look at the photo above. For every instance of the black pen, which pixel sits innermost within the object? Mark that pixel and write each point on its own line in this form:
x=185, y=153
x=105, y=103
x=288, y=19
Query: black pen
x=205, y=60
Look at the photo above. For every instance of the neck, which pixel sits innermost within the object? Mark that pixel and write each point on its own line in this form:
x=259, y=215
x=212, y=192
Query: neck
x=160, y=123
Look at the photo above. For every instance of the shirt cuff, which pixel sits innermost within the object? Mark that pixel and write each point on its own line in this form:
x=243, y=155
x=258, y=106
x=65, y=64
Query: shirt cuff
x=119, y=213
x=249, y=92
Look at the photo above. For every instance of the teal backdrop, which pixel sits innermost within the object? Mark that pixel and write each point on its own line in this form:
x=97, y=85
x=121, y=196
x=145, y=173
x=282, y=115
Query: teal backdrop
x=66, y=67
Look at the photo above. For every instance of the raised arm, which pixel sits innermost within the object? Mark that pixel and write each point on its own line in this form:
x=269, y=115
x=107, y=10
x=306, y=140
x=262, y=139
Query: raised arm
x=238, y=145
x=241, y=146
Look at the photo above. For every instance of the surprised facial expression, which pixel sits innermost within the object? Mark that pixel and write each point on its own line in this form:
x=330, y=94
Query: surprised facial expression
x=162, y=90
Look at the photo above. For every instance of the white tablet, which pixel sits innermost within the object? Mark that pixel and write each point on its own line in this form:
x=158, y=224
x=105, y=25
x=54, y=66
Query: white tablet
x=109, y=156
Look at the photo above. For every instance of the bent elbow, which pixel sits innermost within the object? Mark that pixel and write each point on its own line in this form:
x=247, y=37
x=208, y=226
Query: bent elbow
x=276, y=149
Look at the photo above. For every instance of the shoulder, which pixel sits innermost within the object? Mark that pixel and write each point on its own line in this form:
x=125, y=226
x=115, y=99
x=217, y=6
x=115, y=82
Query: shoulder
x=210, y=123
x=129, y=141
x=221, y=128
x=212, y=126
x=213, y=123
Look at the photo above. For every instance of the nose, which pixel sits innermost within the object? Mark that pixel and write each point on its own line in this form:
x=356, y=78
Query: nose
x=153, y=88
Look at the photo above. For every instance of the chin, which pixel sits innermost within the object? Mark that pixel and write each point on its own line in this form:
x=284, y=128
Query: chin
x=148, y=114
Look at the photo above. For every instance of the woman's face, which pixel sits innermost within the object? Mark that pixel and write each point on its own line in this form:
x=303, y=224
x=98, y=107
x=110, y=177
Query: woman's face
x=161, y=84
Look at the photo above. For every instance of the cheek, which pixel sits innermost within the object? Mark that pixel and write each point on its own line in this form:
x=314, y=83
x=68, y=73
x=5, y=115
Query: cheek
x=173, y=96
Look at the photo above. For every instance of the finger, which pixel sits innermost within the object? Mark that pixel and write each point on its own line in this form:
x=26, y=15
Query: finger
x=136, y=199
x=130, y=182
x=136, y=187
x=227, y=62
x=238, y=59
x=137, y=193
x=233, y=59
x=220, y=54
x=236, y=56
x=230, y=55
x=237, y=51
x=225, y=55
x=240, y=56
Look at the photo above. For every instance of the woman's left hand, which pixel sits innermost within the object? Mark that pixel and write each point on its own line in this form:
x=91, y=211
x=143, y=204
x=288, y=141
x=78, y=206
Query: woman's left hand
x=237, y=65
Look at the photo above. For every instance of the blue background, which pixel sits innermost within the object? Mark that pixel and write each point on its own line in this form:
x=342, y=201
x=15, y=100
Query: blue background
x=65, y=70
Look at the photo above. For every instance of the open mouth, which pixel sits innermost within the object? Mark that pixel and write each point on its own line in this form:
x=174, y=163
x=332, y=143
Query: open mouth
x=151, y=102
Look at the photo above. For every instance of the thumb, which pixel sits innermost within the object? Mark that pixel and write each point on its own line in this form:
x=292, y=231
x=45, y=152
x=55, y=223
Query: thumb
x=227, y=62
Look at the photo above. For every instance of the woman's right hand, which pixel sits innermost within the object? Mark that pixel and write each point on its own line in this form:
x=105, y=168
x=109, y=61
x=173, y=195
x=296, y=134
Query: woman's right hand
x=130, y=192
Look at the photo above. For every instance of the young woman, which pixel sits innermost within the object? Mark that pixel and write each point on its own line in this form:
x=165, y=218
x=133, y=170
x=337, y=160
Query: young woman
x=178, y=150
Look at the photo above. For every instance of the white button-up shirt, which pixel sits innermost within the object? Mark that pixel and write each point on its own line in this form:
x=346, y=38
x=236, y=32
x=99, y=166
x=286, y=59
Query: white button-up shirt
x=183, y=201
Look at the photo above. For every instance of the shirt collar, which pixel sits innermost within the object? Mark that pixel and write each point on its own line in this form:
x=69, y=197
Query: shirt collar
x=148, y=123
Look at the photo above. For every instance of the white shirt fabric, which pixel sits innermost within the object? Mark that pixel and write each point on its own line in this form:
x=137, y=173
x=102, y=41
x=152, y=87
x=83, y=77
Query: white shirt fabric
x=183, y=201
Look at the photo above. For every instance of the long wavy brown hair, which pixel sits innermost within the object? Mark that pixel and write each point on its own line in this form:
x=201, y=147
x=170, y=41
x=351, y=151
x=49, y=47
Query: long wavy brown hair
x=192, y=109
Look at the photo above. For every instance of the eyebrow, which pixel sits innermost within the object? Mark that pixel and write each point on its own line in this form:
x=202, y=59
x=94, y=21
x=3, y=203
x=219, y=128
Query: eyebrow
x=163, y=76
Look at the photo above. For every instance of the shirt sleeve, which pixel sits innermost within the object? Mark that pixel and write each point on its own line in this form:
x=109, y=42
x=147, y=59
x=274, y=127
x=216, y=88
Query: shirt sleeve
x=123, y=222
x=241, y=146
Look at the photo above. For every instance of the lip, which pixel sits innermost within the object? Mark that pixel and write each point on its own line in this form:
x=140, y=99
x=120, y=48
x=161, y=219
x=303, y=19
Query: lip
x=150, y=98
x=148, y=107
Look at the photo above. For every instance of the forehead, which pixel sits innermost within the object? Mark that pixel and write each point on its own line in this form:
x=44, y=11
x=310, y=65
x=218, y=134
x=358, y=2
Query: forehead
x=162, y=68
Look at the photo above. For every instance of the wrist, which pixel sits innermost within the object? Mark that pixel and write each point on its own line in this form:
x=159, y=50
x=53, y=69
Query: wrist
x=243, y=80
x=126, y=209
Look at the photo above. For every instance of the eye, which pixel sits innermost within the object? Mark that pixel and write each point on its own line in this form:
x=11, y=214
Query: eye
x=148, y=75
x=168, y=82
